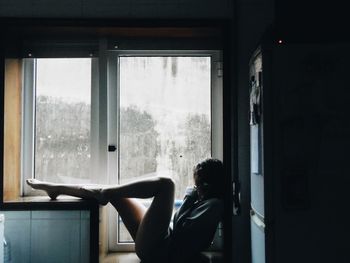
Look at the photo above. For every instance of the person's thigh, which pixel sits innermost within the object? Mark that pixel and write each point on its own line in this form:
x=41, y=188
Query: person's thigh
x=131, y=212
x=156, y=220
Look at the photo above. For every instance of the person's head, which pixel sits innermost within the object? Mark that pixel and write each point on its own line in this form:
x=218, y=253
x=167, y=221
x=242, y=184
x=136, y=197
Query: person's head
x=208, y=177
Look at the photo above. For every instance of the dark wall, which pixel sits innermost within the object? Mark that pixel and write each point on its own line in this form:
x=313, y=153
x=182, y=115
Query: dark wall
x=248, y=20
x=311, y=138
x=311, y=85
x=117, y=8
x=253, y=17
x=313, y=20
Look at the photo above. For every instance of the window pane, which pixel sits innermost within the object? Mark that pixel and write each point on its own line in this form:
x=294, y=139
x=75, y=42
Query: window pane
x=165, y=125
x=62, y=115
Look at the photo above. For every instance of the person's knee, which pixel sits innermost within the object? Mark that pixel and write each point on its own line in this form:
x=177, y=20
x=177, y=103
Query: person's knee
x=167, y=183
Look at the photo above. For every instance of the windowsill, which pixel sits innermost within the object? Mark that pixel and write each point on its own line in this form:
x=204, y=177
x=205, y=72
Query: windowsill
x=130, y=257
x=120, y=257
x=44, y=202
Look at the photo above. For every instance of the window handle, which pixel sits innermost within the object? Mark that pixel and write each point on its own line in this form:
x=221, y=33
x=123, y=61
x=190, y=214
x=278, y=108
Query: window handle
x=112, y=148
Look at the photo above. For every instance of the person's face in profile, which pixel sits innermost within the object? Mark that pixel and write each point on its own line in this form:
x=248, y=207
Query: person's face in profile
x=201, y=187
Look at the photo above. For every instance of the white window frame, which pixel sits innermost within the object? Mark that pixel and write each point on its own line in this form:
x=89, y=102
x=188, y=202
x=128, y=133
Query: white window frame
x=29, y=72
x=113, y=119
x=28, y=122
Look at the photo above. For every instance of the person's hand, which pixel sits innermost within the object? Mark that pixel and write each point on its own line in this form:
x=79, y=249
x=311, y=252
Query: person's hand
x=191, y=192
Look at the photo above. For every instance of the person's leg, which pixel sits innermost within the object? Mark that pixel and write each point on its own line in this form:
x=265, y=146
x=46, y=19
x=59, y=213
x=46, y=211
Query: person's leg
x=147, y=228
x=53, y=190
x=131, y=212
x=156, y=221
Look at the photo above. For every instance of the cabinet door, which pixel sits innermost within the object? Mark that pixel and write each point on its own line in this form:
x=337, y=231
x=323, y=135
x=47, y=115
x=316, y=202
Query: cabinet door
x=85, y=236
x=17, y=234
x=55, y=237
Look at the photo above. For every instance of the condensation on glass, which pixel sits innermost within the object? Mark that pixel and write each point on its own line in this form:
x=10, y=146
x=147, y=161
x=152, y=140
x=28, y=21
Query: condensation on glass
x=165, y=119
x=62, y=120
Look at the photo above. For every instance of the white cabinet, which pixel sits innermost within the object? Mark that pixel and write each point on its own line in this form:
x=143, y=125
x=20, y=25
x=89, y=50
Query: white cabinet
x=17, y=234
x=48, y=236
x=85, y=236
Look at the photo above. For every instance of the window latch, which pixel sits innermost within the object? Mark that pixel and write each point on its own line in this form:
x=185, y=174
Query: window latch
x=112, y=148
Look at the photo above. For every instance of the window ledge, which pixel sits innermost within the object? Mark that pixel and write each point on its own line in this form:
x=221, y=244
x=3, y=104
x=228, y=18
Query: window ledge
x=44, y=202
x=127, y=257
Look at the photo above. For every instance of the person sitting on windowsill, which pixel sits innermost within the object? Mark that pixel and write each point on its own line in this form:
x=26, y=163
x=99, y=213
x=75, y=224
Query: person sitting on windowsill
x=194, y=223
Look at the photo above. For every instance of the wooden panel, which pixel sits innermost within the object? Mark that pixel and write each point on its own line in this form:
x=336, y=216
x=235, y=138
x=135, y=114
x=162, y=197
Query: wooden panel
x=12, y=128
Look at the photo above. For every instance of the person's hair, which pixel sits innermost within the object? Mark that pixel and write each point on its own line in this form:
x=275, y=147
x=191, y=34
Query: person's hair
x=211, y=172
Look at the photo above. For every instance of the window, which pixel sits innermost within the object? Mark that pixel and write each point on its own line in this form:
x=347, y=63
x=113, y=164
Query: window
x=57, y=120
x=165, y=122
x=162, y=110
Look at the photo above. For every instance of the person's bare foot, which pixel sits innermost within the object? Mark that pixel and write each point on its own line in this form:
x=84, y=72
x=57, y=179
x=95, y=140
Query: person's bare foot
x=50, y=188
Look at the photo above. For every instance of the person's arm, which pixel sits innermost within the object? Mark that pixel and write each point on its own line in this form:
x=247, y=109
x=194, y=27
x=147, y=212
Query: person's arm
x=195, y=233
x=190, y=197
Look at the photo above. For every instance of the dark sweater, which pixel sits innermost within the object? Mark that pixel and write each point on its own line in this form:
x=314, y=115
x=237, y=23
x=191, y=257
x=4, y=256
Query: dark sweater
x=194, y=226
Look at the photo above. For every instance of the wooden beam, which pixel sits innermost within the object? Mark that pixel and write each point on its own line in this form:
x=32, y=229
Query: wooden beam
x=12, y=128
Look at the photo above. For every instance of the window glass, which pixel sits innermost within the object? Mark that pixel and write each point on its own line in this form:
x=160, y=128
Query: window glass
x=165, y=119
x=62, y=120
